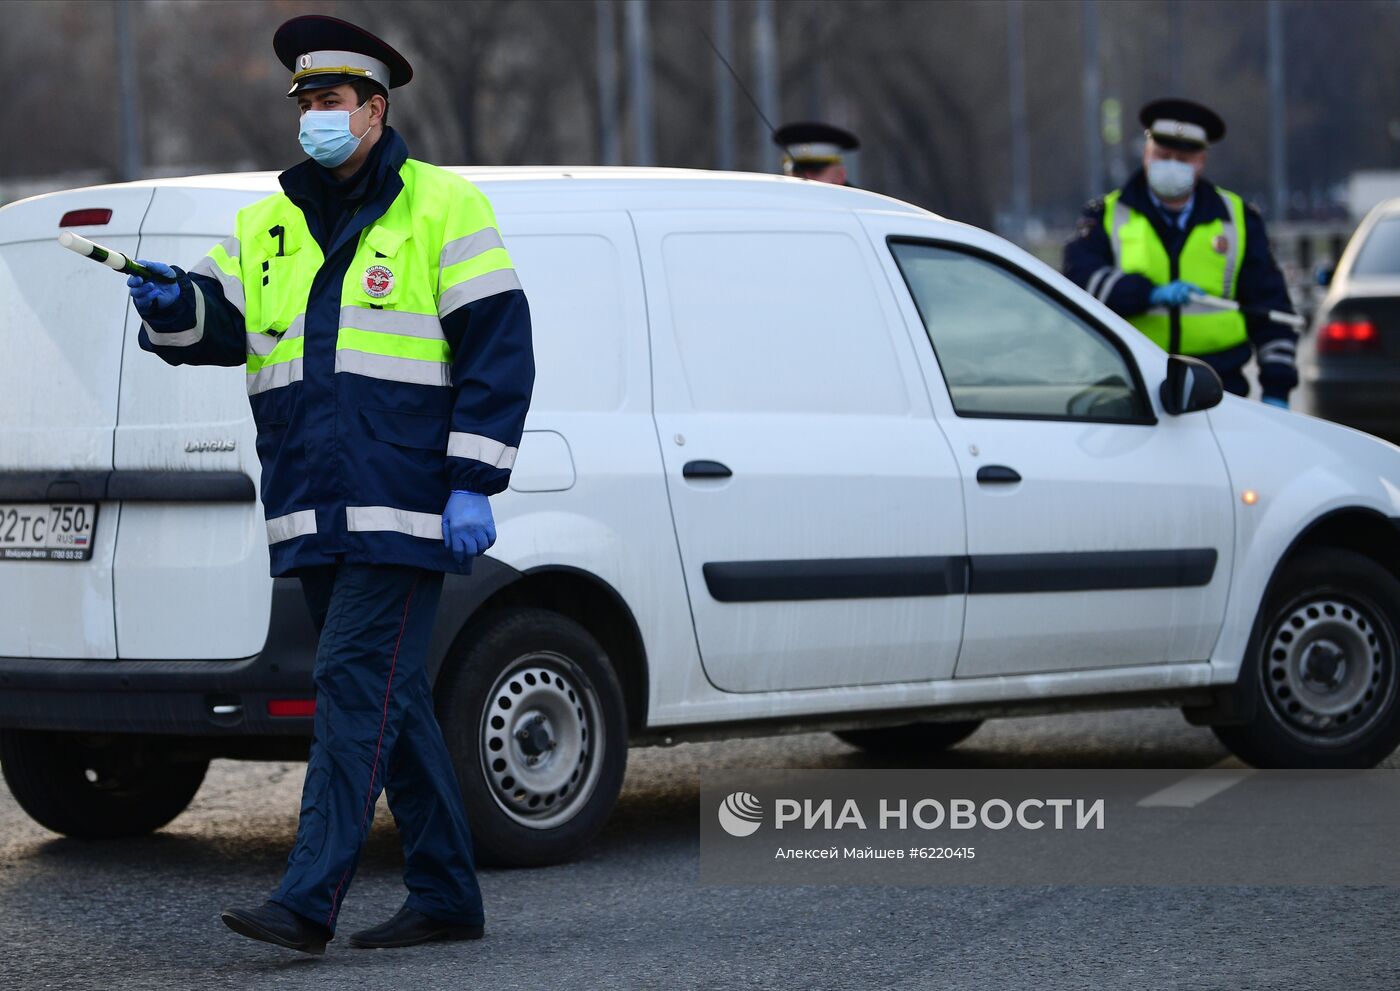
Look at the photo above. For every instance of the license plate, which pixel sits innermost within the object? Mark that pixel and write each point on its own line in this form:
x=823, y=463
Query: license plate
x=47, y=531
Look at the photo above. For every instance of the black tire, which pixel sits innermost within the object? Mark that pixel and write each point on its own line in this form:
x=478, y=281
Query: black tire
x=522, y=814
x=910, y=740
x=1319, y=687
x=97, y=788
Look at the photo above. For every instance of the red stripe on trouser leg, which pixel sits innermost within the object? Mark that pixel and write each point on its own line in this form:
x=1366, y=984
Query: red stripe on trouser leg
x=374, y=767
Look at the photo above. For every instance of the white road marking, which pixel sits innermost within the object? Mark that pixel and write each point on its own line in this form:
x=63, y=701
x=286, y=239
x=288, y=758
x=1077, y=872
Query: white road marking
x=1196, y=788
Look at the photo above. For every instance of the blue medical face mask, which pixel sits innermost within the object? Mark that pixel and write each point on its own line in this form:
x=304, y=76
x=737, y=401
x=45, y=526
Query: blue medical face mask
x=326, y=135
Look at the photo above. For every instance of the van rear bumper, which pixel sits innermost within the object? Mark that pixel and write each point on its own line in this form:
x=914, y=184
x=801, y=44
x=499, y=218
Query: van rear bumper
x=213, y=699
x=186, y=698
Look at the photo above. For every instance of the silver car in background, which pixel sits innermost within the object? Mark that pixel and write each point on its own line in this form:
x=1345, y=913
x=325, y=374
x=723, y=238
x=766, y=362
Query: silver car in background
x=1349, y=364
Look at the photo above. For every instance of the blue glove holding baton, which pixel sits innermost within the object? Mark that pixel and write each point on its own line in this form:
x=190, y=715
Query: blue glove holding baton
x=150, y=296
x=467, y=526
x=1176, y=293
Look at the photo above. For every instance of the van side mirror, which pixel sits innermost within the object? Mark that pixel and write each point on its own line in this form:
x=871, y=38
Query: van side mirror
x=1190, y=386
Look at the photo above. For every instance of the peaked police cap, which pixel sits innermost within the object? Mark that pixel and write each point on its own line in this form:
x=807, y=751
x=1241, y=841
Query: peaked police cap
x=1182, y=124
x=326, y=51
x=813, y=143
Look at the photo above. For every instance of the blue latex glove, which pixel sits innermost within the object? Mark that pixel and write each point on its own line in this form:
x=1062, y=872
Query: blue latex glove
x=1278, y=401
x=1176, y=293
x=152, y=297
x=467, y=526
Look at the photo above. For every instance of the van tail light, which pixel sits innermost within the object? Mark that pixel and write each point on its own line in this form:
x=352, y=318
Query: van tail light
x=1348, y=337
x=85, y=218
x=291, y=707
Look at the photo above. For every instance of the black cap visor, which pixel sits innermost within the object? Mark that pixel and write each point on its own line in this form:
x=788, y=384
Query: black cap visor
x=325, y=80
x=1176, y=144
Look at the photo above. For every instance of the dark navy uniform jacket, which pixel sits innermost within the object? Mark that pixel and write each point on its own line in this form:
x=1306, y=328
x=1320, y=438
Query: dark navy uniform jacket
x=335, y=443
x=1261, y=284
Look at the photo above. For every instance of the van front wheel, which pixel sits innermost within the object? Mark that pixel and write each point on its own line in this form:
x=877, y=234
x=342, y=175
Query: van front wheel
x=534, y=719
x=97, y=787
x=1319, y=687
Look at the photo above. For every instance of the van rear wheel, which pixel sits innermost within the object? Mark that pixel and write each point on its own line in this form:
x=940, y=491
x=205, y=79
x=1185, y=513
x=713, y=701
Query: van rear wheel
x=97, y=787
x=534, y=719
x=910, y=740
x=1319, y=687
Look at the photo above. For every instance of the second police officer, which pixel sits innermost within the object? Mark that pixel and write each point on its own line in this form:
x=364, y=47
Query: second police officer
x=813, y=150
x=1150, y=250
x=389, y=367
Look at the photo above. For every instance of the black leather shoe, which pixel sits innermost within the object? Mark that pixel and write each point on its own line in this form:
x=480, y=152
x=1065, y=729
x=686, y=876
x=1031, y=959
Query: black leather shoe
x=274, y=923
x=409, y=928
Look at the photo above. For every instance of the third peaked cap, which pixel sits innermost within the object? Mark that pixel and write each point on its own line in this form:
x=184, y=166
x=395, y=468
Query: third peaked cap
x=1182, y=124
x=810, y=141
x=326, y=51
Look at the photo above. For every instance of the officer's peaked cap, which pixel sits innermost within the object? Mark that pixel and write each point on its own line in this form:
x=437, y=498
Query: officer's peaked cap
x=811, y=141
x=326, y=51
x=1182, y=124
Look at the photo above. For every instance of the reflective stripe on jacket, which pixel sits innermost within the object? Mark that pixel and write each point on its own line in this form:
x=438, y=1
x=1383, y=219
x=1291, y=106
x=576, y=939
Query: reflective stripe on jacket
x=1210, y=258
x=388, y=360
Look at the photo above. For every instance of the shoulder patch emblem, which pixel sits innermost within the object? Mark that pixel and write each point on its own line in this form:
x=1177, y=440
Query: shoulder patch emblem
x=378, y=281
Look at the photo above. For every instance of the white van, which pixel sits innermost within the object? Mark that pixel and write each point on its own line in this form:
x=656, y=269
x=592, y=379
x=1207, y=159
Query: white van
x=799, y=456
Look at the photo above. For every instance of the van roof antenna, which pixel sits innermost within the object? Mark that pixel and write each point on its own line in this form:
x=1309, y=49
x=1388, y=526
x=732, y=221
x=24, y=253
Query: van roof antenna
x=773, y=131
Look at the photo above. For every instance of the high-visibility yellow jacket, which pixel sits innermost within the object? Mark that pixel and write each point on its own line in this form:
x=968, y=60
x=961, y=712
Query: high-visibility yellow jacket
x=386, y=341
x=1210, y=258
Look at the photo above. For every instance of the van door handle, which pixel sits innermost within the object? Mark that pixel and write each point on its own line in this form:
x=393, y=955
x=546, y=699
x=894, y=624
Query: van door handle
x=705, y=469
x=997, y=475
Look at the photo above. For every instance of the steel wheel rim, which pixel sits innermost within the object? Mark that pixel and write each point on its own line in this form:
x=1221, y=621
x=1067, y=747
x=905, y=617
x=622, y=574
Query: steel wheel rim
x=541, y=732
x=1329, y=668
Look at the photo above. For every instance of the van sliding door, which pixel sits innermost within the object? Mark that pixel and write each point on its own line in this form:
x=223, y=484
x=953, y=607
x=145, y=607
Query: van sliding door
x=816, y=502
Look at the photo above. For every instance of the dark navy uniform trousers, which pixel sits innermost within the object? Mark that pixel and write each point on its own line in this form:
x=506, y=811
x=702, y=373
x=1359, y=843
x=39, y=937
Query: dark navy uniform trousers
x=375, y=729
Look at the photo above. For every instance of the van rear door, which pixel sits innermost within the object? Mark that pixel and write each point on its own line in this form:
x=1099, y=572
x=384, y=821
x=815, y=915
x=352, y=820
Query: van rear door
x=191, y=574
x=63, y=319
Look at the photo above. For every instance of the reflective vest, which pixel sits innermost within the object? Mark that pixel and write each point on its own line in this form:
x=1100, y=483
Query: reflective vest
x=1210, y=258
x=406, y=271
x=350, y=374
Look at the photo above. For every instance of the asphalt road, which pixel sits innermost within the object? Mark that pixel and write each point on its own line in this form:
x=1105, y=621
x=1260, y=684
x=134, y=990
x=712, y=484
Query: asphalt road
x=630, y=913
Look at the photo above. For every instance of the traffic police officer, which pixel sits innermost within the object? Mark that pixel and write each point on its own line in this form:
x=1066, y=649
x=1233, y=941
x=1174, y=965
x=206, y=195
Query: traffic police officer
x=1168, y=237
x=814, y=151
x=386, y=342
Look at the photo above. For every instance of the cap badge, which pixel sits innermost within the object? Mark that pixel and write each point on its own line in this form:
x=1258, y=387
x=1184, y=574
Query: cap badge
x=1221, y=244
x=377, y=281
x=304, y=61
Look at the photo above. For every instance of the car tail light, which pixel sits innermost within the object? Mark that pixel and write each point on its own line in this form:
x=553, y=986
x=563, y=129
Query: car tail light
x=85, y=218
x=1353, y=334
x=291, y=707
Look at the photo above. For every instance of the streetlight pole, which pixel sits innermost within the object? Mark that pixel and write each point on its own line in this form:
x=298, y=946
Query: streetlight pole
x=609, y=143
x=639, y=69
x=765, y=55
x=724, y=89
x=126, y=94
x=1020, y=151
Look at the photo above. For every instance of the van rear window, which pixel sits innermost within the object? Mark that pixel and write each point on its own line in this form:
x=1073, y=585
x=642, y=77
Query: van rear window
x=780, y=322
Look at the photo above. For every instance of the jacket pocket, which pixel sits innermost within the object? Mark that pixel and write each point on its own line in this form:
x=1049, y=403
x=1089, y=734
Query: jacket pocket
x=422, y=431
x=268, y=442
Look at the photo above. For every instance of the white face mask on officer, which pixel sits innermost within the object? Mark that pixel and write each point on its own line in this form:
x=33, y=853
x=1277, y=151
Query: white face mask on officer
x=1170, y=179
x=326, y=135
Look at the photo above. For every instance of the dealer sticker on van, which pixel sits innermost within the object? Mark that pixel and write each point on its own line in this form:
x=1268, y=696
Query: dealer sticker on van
x=38, y=531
